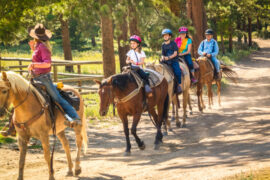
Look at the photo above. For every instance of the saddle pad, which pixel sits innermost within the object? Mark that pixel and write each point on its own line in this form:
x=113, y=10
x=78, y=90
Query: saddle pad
x=154, y=77
x=183, y=69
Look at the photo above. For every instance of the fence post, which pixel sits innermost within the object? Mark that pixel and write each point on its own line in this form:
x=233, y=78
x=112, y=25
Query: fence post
x=0, y=63
x=55, y=73
x=79, y=82
x=20, y=63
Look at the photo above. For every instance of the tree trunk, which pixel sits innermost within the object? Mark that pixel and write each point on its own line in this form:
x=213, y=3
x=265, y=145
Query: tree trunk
x=215, y=28
x=175, y=7
x=107, y=43
x=122, y=39
x=66, y=42
x=245, y=30
x=230, y=42
x=259, y=24
x=238, y=27
x=133, y=18
x=196, y=12
x=249, y=32
x=93, y=41
x=222, y=43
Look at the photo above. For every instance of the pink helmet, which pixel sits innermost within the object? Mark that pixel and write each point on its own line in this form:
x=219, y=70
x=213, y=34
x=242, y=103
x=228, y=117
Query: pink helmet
x=183, y=29
x=135, y=38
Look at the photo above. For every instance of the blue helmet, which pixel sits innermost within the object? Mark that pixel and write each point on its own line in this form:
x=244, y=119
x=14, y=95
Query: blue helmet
x=209, y=31
x=166, y=31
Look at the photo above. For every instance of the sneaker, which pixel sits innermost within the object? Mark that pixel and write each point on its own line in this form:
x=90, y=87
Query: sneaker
x=72, y=122
x=217, y=76
x=193, y=80
x=148, y=90
x=179, y=89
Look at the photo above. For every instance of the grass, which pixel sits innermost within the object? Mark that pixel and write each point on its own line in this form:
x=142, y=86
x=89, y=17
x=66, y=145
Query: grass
x=262, y=174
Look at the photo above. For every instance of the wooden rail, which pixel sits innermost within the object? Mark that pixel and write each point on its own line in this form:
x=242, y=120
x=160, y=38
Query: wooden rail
x=71, y=77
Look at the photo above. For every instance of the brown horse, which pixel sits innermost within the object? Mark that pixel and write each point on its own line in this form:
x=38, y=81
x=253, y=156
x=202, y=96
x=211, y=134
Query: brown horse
x=173, y=97
x=205, y=76
x=32, y=119
x=129, y=97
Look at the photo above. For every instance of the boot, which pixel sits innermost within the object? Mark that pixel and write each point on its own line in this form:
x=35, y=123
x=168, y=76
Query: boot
x=179, y=89
x=217, y=76
x=148, y=90
x=10, y=130
x=72, y=122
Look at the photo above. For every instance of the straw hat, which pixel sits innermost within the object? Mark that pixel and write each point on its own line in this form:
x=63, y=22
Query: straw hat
x=40, y=32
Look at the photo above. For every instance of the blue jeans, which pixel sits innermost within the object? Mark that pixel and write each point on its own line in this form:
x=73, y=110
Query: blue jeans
x=216, y=63
x=176, y=70
x=189, y=62
x=45, y=79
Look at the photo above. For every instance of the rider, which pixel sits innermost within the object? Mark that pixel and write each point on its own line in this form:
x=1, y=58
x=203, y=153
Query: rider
x=135, y=57
x=209, y=48
x=41, y=67
x=184, y=44
x=170, y=56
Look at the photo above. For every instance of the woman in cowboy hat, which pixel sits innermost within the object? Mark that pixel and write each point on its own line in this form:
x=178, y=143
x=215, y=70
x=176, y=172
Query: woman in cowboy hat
x=41, y=67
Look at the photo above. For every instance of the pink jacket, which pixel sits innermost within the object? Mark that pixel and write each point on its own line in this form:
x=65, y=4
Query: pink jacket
x=41, y=55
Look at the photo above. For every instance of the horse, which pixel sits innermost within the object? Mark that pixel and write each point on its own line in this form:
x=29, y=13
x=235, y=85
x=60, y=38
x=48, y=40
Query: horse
x=173, y=98
x=128, y=96
x=31, y=119
x=205, y=76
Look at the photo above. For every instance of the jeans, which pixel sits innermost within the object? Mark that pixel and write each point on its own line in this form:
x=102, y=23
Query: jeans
x=143, y=75
x=189, y=62
x=45, y=79
x=177, y=71
x=216, y=63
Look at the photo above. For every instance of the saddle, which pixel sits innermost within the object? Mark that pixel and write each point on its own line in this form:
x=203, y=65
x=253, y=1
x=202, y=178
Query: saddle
x=203, y=58
x=69, y=96
x=154, y=77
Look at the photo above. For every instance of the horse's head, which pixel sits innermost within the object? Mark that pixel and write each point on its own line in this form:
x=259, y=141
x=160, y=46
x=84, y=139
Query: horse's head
x=106, y=97
x=5, y=88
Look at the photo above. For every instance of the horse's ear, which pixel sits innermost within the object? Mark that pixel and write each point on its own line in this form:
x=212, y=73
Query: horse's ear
x=98, y=82
x=4, y=76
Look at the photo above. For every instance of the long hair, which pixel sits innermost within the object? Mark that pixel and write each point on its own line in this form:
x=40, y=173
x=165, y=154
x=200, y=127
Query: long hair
x=46, y=43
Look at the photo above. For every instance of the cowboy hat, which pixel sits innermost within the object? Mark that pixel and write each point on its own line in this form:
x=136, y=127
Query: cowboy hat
x=40, y=32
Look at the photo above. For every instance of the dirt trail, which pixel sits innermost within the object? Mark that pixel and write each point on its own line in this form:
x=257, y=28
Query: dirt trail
x=218, y=143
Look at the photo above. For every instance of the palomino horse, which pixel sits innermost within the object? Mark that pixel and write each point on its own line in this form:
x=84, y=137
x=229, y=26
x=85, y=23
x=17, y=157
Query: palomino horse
x=173, y=97
x=205, y=76
x=32, y=119
x=129, y=96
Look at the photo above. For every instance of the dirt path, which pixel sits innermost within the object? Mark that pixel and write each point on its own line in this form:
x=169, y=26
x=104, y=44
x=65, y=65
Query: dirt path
x=218, y=143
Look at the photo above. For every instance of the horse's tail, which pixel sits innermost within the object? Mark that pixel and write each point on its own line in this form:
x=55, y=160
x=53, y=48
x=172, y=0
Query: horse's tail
x=84, y=134
x=229, y=73
x=166, y=108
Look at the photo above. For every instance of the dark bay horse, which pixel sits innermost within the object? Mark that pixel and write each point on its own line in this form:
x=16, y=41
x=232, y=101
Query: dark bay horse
x=123, y=90
x=205, y=76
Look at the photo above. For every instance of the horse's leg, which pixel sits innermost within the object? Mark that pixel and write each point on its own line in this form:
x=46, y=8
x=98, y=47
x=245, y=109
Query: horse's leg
x=136, y=119
x=199, y=94
x=218, y=91
x=173, y=111
x=65, y=144
x=23, y=148
x=44, y=138
x=159, y=135
x=185, y=101
x=176, y=101
x=126, y=131
x=79, y=140
x=210, y=95
x=189, y=104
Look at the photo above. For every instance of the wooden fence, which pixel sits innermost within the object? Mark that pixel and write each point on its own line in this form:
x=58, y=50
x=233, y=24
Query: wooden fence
x=70, y=77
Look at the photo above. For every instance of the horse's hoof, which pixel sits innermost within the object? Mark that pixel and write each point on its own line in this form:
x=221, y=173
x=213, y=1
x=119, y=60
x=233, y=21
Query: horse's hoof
x=142, y=147
x=165, y=133
x=51, y=178
x=184, y=126
x=178, y=124
x=173, y=119
x=78, y=171
x=127, y=153
x=157, y=146
x=69, y=173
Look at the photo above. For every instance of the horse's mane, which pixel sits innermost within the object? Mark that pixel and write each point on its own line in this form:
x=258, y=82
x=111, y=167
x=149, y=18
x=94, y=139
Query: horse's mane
x=20, y=85
x=119, y=81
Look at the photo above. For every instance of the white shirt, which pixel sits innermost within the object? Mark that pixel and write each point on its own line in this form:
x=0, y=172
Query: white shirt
x=132, y=56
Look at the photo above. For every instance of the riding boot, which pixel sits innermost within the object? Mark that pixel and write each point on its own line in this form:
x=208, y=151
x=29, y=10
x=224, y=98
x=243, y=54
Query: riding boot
x=147, y=89
x=11, y=131
x=179, y=89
